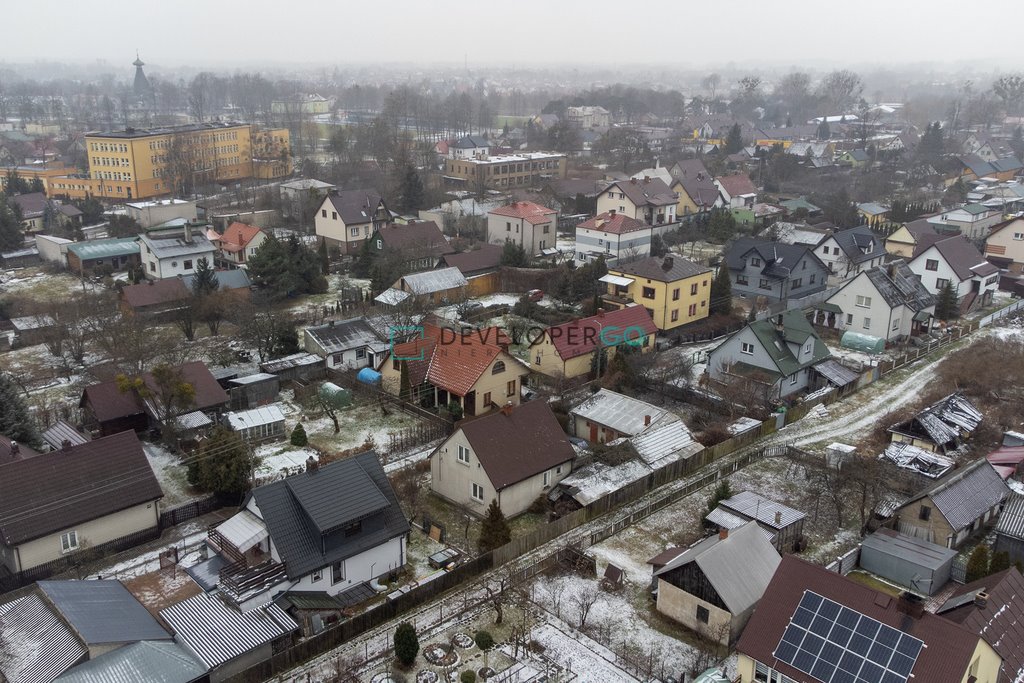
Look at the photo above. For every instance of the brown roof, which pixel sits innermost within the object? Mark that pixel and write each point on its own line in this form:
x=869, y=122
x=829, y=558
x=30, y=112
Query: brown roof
x=110, y=403
x=647, y=191
x=737, y=184
x=621, y=326
x=355, y=207
x=615, y=223
x=964, y=258
x=486, y=257
x=665, y=556
x=418, y=235
x=667, y=269
x=949, y=646
x=6, y=452
x=519, y=445
x=1000, y=622
x=155, y=293
x=528, y=211
x=54, y=491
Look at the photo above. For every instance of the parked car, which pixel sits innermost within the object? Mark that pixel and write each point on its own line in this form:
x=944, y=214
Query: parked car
x=535, y=295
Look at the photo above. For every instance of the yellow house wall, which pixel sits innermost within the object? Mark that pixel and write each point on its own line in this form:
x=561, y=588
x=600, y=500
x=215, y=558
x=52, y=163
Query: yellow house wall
x=900, y=243
x=1011, y=248
x=495, y=384
x=662, y=304
x=745, y=668
x=686, y=205
x=682, y=606
x=985, y=664
x=941, y=531
x=623, y=205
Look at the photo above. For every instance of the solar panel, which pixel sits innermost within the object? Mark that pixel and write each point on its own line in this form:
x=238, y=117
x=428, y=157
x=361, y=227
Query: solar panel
x=835, y=644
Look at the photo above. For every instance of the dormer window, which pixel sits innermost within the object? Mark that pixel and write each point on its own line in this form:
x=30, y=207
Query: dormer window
x=755, y=262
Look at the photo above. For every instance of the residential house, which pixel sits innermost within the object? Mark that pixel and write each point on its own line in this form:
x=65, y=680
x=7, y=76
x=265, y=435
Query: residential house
x=1004, y=248
x=160, y=300
x=573, y=196
x=159, y=211
x=469, y=147
x=239, y=243
x=780, y=354
x=973, y=221
x=956, y=262
x=54, y=504
x=419, y=244
x=648, y=200
x=108, y=410
x=939, y=428
x=146, y=661
x=674, y=291
x=432, y=287
x=331, y=528
x=697, y=194
x=585, y=346
x=612, y=235
x=170, y=253
x=513, y=456
x=256, y=425
x=800, y=204
x=347, y=218
x=530, y=225
x=1010, y=528
x=470, y=367
x=589, y=117
x=713, y=587
x=990, y=608
x=103, y=256
x=39, y=213
x=1008, y=460
x=481, y=260
x=226, y=640
x=301, y=195
x=873, y=212
x=656, y=171
x=848, y=252
x=854, y=158
x=351, y=344
x=782, y=525
x=973, y=167
x=955, y=507
x=52, y=249
x=608, y=416
x=737, y=190
x=913, y=563
x=773, y=270
x=911, y=238
x=865, y=635
x=235, y=281
x=800, y=234
x=887, y=301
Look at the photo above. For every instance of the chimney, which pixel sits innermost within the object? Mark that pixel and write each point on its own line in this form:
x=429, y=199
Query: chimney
x=611, y=213
x=667, y=264
x=330, y=323
x=647, y=420
x=188, y=232
x=778, y=518
x=723, y=533
x=647, y=179
x=779, y=327
x=632, y=181
x=507, y=408
x=65, y=445
x=600, y=313
x=312, y=464
x=15, y=448
x=981, y=599
x=910, y=604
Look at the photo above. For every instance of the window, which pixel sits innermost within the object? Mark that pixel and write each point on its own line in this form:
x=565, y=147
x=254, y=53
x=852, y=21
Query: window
x=317, y=575
x=692, y=310
x=693, y=289
x=798, y=283
x=69, y=541
x=1018, y=235
x=187, y=265
x=152, y=267
x=849, y=318
x=463, y=454
x=547, y=229
x=380, y=244
x=478, y=492
x=352, y=529
x=334, y=215
x=675, y=315
x=940, y=283
x=792, y=380
x=675, y=294
x=648, y=293
x=508, y=227
x=396, y=365
x=763, y=284
x=925, y=513
x=747, y=348
x=487, y=396
x=510, y=388
x=895, y=324
x=742, y=280
x=867, y=323
x=499, y=367
x=702, y=614
x=360, y=353
x=813, y=278
x=755, y=261
x=338, y=572
x=864, y=301
x=547, y=479
x=931, y=264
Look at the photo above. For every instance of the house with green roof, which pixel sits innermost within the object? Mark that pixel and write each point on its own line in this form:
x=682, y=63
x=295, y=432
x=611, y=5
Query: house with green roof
x=779, y=353
x=115, y=254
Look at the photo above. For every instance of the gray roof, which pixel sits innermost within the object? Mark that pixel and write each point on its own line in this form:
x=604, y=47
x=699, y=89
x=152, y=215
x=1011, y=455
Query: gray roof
x=915, y=550
x=106, y=248
x=345, y=335
x=61, y=431
x=664, y=440
x=942, y=421
x=754, y=506
x=859, y=244
x=739, y=567
x=103, y=611
x=667, y=269
x=306, y=184
x=899, y=286
x=963, y=257
x=171, y=245
x=471, y=142
x=624, y=414
x=835, y=372
x=966, y=494
x=216, y=632
x=293, y=361
x=37, y=645
x=432, y=281
x=653, y=192
x=778, y=258
x=142, y=662
x=355, y=206
x=1011, y=521
x=237, y=278
x=305, y=513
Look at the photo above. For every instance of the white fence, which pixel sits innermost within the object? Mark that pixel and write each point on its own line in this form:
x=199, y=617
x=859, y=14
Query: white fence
x=1001, y=313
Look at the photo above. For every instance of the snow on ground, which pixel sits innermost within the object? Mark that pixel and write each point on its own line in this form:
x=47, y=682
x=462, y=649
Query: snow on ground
x=589, y=661
x=278, y=461
x=192, y=540
x=172, y=475
x=635, y=567
x=42, y=285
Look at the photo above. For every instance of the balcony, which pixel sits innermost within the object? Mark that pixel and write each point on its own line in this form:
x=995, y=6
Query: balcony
x=241, y=582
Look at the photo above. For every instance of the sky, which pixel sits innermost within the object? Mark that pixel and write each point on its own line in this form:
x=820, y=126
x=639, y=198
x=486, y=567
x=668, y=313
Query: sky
x=211, y=33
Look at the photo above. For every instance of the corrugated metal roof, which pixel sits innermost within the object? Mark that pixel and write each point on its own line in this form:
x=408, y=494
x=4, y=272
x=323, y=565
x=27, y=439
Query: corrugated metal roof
x=194, y=420
x=665, y=440
x=753, y=506
x=37, y=645
x=61, y=431
x=966, y=494
x=255, y=417
x=908, y=548
x=143, y=662
x=164, y=246
x=624, y=414
x=438, y=280
x=93, y=249
x=293, y=361
x=103, y=611
x=244, y=530
x=217, y=633
x=252, y=379
x=911, y=457
x=727, y=520
x=836, y=373
x=392, y=297
x=1011, y=521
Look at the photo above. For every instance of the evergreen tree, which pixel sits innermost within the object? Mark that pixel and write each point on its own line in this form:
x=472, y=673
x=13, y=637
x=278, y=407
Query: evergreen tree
x=404, y=383
x=721, y=292
x=947, y=307
x=36, y=185
x=734, y=140
x=1000, y=561
x=722, y=226
x=658, y=247
x=752, y=314
x=931, y=145
x=494, y=532
x=299, y=437
x=15, y=421
x=407, y=643
x=824, y=132
x=325, y=261
x=514, y=255
x=410, y=189
x=11, y=234
x=1017, y=142
x=722, y=492
x=286, y=269
x=977, y=564
x=223, y=465
x=364, y=261
x=205, y=281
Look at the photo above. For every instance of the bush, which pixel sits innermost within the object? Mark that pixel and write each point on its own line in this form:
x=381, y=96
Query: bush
x=484, y=640
x=468, y=676
x=977, y=564
x=299, y=437
x=407, y=644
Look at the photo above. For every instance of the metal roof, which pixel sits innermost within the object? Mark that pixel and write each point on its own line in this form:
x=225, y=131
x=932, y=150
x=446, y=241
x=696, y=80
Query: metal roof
x=142, y=662
x=37, y=645
x=392, y=297
x=739, y=567
x=836, y=373
x=966, y=494
x=1011, y=521
x=911, y=457
x=727, y=520
x=942, y=421
x=193, y=420
x=103, y=611
x=243, y=530
x=263, y=415
x=252, y=379
x=345, y=335
x=176, y=246
x=908, y=548
x=438, y=280
x=93, y=249
x=217, y=633
x=293, y=361
x=754, y=506
x=61, y=431
x=664, y=440
x=616, y=280
x=624, y=414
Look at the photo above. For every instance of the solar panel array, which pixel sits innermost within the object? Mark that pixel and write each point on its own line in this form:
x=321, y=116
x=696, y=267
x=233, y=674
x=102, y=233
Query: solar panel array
x=836, y=644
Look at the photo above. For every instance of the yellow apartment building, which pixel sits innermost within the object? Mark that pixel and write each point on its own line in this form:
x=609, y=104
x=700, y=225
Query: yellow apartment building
x=674, y=291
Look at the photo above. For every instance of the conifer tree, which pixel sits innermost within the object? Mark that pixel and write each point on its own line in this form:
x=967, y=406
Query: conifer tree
x=495, y=531
x=721, y=292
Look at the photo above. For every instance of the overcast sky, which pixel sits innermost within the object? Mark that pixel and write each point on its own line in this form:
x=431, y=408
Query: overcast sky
x=210, y=33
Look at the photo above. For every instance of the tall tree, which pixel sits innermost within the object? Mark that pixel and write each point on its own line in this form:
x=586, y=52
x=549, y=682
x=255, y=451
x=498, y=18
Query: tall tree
x=721, y=292
x=947, y=307
x=325, y=261
x=224, y=465
x=824, y=131
x=840, y=90
x=170, y=394
x=1010, y=89
x=11, y=235
x=513, y=254
x=734, y=140
x=407, y=643
x=410, y=190
x=205, y=281
x=931, y=146
x=15, y=421
x=495, y=531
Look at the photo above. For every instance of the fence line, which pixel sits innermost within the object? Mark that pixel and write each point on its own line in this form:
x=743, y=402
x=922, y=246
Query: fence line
x=846, y=562
x=189, y=511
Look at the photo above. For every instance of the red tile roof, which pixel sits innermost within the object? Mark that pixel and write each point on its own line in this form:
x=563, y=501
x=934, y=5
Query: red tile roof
x=451, y=360
x=613, y=222
x=737, y=184
x=948, y=649
x=110, y=403
x=528, y=211
x=237, y=236
x=579, y=337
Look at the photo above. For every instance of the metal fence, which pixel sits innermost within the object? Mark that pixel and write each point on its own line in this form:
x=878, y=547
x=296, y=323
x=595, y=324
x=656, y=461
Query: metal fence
x=1001, y=313
x=189, y=511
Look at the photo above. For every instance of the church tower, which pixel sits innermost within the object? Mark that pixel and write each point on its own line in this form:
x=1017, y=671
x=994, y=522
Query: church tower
x=143, y=90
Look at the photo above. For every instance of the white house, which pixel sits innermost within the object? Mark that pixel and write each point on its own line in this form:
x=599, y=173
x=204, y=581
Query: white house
x=973, y=220
x=470, y=147
x=887, y=301
x=529, y=225
x=648, y=200
x=848, y=252
x=955, y=261
x=612, y=235
x=174, y=252
x=347, y=218
x=351, y=344
x=159, y=211
x=239, y=243
x=589, y=116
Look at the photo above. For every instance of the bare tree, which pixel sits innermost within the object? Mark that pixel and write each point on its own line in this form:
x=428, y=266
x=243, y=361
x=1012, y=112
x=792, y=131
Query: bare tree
x=584, y=599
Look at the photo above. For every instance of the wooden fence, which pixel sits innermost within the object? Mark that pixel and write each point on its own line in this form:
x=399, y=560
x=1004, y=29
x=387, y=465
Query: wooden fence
x=189, y=511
